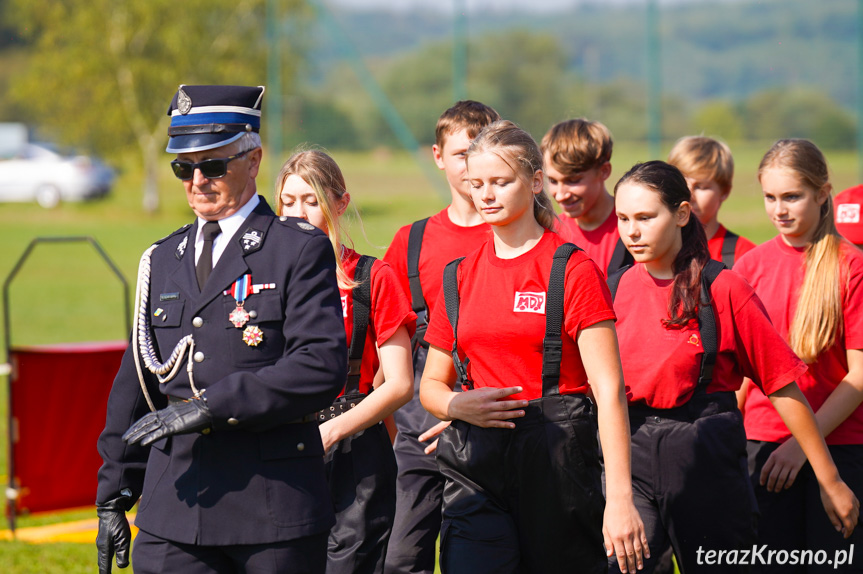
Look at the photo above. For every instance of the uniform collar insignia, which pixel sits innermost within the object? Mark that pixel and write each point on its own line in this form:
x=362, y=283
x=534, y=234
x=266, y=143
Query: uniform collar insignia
x=251, y=240
x=181, y=248
x=306, y=226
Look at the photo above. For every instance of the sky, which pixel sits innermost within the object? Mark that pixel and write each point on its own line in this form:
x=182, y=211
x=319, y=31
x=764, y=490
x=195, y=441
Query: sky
x=475, y=5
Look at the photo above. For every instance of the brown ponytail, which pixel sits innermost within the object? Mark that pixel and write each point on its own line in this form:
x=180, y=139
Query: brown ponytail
x=668, y=182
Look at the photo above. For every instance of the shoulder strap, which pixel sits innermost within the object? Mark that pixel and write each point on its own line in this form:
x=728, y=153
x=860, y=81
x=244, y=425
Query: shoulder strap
x=451, y=300
x=620, y=258
x=552, y=344
x=614, y=280
x=418, y=302
x=729, y=244
x=708, y=324
x=362, y=302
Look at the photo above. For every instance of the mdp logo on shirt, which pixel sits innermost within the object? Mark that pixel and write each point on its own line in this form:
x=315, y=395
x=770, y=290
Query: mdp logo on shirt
x=527, y=302
x=848, y=213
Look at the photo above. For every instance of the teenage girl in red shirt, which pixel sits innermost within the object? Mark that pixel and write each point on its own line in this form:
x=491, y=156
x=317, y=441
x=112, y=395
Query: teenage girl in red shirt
x=360, y=464
x=523, y=491
x=811, y=282
x=688, y=445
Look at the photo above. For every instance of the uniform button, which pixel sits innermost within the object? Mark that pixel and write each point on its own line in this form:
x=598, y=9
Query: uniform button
x=656, y=419
x=199, y=357
x=233, y=421
x=198, y=322
x=283, y=218
x=253, y=314
x=301, y=446
x=205, y=431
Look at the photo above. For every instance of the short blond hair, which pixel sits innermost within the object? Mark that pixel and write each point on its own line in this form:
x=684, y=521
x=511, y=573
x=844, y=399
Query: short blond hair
x=577, y=145
x=704, y=157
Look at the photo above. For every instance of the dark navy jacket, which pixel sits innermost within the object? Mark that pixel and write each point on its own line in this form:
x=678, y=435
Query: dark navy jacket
x=257, y=478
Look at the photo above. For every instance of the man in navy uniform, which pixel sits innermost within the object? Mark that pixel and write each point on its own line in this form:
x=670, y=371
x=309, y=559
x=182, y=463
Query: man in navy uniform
x=238, y=341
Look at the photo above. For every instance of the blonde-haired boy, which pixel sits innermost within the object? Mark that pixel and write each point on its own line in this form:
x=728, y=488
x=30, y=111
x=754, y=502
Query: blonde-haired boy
x=708, y=167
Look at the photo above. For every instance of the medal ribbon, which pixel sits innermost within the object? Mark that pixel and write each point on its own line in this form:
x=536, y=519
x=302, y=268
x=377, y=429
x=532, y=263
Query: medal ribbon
x=242, y=288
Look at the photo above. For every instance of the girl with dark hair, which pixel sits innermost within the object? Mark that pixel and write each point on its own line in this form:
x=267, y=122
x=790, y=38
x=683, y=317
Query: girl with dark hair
x=523, y=489
x=360, y=464
x=811, y=282
x=689, y=332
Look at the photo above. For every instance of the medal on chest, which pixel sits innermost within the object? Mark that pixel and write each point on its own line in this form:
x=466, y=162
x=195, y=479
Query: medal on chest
x=240, y=290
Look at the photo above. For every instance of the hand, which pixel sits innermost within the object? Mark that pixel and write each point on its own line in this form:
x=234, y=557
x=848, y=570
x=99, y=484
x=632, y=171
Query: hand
x=485, y=408
x=623, y=534
x=115, y=536
x=329, y=436
x=841, y=505
x=782, y=466
x=180, y=418
x=433, y=433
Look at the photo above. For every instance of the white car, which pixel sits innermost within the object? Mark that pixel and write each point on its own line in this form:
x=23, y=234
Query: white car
x=38, y=172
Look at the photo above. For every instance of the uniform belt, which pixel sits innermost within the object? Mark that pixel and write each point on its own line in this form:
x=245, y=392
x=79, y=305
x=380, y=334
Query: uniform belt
x=311, y=417
x=340, y=406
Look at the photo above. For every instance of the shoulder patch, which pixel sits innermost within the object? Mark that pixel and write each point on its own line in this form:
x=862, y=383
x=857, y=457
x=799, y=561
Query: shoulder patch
x=251, y=240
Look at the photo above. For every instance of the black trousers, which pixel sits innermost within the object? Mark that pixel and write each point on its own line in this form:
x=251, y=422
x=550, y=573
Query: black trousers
x=690, y=482
x=361, y=471
x=527, y=499
x=154, y=555
x=419, y=488
x=794, y=520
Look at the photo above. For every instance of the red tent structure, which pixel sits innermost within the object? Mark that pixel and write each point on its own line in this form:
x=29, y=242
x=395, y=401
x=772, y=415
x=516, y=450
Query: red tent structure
x=58, y=396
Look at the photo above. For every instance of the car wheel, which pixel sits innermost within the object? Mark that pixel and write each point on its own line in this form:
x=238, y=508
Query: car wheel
x=48, y=196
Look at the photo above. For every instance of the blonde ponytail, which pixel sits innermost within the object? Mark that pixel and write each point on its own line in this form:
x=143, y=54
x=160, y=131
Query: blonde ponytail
x=818, y=318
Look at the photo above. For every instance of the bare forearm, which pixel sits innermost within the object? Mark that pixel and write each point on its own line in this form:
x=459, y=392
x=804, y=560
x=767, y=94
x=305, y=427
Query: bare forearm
x=614, y=433
x=794, y=409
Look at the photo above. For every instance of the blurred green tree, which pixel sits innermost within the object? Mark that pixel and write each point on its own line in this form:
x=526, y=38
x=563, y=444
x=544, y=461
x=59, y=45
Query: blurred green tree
x=101, y=72
x=799, y=113
x=720, y=118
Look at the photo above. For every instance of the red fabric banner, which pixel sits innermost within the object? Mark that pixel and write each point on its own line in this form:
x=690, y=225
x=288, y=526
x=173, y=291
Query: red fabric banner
x=58, y=403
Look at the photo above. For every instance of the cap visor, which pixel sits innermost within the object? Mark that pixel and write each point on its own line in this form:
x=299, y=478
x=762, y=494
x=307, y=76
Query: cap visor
x=200, y=142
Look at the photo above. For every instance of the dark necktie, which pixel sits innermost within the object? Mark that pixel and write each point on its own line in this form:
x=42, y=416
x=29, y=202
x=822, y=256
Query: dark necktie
x=211, y=230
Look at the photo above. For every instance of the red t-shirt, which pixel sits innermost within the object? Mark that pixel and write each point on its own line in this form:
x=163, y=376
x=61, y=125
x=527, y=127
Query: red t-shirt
x=389, y=310
x=714, y=244
x=598, y=244
x=661, y=365
x=502, y=316
x=776, y=271
x=443, y=241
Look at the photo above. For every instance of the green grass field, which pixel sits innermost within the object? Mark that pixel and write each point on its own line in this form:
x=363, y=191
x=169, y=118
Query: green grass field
x=66, y=294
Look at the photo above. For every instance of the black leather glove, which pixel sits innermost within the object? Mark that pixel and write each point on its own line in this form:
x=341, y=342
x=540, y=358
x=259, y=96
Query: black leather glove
x=180, y=418
x=114, y=536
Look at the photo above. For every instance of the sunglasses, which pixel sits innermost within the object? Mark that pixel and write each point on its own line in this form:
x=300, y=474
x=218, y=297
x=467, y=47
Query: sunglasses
x=210, y=168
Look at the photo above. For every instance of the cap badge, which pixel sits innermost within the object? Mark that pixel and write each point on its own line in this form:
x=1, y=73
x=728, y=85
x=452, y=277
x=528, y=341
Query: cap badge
x=184, y=102
x=306, y=226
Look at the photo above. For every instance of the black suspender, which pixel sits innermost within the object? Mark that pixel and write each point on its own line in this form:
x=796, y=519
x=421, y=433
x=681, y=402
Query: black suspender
x=620, y=258
x=707, y=323
x=362, y=302
x=418, y=302
x=552, y=345
x=451, y=300
x=729, y=244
